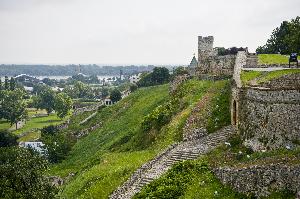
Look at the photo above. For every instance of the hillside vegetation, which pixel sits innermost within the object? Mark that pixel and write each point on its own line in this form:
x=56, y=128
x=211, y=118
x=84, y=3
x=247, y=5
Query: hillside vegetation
x=131, y=134
x=259, y=77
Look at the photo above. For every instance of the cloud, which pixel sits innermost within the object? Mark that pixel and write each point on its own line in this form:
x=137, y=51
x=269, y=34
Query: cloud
x=131, y=31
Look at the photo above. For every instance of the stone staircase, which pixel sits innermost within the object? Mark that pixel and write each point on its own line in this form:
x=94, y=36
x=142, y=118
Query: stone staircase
x=252, y=61
x=187, y=150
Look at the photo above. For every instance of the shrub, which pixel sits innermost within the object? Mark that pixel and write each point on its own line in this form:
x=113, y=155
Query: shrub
x=7, y=139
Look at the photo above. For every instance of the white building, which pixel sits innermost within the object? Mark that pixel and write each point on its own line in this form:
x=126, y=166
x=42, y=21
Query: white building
x=135, y=78
x=38, y=146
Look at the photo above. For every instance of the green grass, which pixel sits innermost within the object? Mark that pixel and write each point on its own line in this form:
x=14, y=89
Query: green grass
x=106, y=157
x=188, y=180
x=276, y=74
x=247, y=76
x=31, y=136
x=4, y=125
x=39, y=122
x=120, y=120
x=260, y=77
x=273, y=59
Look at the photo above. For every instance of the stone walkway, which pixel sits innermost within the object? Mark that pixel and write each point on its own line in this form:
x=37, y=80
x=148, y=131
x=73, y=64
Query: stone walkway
x=187, y=150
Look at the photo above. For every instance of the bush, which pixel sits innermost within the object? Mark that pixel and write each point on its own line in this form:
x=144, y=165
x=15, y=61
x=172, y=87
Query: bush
x=22, y=174
x=7, y=139
x=160, y=75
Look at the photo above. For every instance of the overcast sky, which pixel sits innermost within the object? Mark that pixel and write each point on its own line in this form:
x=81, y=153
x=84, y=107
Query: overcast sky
x=132, y=31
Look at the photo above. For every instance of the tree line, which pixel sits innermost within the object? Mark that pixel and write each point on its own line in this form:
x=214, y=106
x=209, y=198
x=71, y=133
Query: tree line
x=284, y=39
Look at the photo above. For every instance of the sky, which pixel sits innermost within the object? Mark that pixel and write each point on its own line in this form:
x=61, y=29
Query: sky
x=123, y=32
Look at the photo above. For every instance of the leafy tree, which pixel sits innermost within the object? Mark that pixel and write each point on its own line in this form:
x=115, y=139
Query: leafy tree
x=45, y=100
x=1, y=85
x=284, y=39
x=22, y=174
x=48, y=81
x=12, y=84
x=6, y=83
x=160, y=75
x=104, y=93
x=13, y=106
x=7, y=139
x=133, y=87
x=180, y=71
x=56, y=143
x=115, y=95
x=63, y=104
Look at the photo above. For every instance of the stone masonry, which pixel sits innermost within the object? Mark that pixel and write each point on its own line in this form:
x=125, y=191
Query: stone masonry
x=260, y=180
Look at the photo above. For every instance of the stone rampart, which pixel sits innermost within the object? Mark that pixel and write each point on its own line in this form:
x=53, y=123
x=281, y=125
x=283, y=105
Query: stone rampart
x=260, y=180
x=267, y=118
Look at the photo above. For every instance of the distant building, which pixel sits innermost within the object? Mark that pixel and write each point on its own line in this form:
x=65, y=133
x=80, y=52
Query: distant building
x=108, y=102
x=193, y=66
x=37, y=146
x=135, y=78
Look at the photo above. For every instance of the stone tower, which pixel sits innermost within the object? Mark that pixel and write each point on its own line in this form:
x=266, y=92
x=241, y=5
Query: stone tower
x=205, y=43
x=205, y=50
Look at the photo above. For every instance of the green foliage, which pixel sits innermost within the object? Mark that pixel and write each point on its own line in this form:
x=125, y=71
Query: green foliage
x=7, y=139
x=220, y=104
x=187, y=179
x=13, y=106
x=133, y=87
x=180, y=71
x=159, y=75
x=22, y=174
x=115, y=95
x=12, y=84
x=79, y=90
x=6, y=83
x=284, y=39
x=45, y=99
x=63, y=104
x=104, y=93
x=57, y=144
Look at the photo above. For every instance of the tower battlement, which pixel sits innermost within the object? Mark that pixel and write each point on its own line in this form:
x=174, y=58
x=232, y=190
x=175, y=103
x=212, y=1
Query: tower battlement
x=205, y=43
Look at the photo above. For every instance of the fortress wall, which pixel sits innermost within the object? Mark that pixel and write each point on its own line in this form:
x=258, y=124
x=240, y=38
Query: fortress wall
x=268, y=119
x=260, y=180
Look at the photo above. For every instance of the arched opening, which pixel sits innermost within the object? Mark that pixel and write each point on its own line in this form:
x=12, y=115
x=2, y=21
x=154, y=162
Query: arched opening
x=234, y=112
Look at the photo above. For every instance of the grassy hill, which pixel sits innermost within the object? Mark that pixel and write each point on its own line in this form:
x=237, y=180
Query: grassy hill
x=106, y=157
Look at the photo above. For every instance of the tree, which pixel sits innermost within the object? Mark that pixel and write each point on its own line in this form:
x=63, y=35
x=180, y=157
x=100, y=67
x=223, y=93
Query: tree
x=133, y=87
x=160, y=75
x=7, y=139
x=6, y=83
x=13, y=106
x=45, y=100
x=1, y=85
x=115, y=95
x=12, y=84
x=57, y=144
x=284, y=39
x=104, y=93
x=63, y=104
x=22, y=174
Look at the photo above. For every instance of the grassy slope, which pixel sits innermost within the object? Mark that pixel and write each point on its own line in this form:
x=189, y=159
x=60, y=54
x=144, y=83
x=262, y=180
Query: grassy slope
x=106, y=158
x=262, y=77
x=273, y=59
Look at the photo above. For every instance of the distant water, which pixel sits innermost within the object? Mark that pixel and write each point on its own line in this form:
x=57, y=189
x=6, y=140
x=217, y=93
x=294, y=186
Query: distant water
x=100, y=77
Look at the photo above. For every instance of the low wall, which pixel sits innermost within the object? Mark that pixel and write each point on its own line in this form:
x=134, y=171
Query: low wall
x=260, y=180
